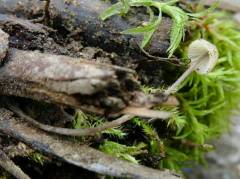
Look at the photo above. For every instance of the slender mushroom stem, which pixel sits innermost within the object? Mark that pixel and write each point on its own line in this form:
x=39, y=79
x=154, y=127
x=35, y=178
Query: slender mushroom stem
x=203, y=56
x=190, y=69
x=173, y=87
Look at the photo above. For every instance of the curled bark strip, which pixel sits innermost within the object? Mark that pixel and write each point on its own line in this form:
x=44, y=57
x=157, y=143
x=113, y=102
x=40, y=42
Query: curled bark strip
x=8, y=165
x=72, y=132
x=76, y=154
x=72, y=82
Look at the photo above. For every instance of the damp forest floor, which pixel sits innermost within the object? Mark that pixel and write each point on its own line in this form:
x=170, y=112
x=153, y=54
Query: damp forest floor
x=201, y=108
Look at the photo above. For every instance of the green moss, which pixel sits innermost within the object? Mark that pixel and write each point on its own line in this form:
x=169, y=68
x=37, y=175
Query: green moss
x=83, y=120
x=123, y=151
x=206, y=101
x=38, y=158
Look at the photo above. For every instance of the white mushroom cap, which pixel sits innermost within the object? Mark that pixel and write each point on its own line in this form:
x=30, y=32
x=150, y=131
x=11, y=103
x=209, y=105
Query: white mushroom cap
x=204, y=55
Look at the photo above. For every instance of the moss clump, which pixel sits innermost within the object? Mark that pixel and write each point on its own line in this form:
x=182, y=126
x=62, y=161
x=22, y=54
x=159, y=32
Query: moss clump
x=207, y=101
x=206, y=104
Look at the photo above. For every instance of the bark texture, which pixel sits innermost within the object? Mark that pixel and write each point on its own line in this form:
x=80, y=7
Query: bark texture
x=73, y=82
x=83, y=17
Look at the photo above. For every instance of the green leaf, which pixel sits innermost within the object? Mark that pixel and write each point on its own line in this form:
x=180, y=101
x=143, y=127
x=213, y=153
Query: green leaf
x=113, y=10
x=140, y=30
x=151, y=14
x=126, y=6
x=139, y=3
x=147, y=38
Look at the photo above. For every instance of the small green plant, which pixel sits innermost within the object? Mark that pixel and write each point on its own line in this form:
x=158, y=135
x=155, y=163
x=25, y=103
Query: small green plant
x=123, y=151
x=155, y=144
x=83, y=120
x=179, y=17
x=38, y=158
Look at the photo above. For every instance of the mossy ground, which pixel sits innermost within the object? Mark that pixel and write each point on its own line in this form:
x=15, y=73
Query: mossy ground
x=206, y=103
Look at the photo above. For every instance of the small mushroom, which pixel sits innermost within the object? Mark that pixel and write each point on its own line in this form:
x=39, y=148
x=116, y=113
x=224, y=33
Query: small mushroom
x=203, y=56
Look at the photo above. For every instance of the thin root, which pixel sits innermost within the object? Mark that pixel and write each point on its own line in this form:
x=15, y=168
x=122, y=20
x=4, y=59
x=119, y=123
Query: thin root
x=71, y=132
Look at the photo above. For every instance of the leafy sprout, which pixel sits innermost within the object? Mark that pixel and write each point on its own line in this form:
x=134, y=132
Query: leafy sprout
x=123, y=151
x=179, y=17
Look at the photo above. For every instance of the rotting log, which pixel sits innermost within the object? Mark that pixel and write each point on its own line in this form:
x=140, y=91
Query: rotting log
x=26, y=35
x=74, y=153
x=86, y=25
x=82, y=17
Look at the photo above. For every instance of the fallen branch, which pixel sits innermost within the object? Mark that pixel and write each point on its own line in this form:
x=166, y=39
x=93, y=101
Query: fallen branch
x=8, y=165
x=73, y=153
x=90, y=86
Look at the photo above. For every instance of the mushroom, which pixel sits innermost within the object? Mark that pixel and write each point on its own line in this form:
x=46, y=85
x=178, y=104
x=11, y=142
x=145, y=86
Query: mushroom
x=203, y=56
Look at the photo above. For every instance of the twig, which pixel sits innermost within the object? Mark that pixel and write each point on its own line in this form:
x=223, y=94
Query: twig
x=7, y=164
x=71, y=132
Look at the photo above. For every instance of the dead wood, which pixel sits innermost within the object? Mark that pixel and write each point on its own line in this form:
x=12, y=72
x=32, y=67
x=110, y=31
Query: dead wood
x=7, y=164
x=22, y=8
x=82, y=17
x=18, y=150
x=25, y=35
x=73, y=153
x=90, y=86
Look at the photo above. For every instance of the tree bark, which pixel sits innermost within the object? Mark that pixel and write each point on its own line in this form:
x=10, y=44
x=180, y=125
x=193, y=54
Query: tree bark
x=22, y=8
x=74, y=82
